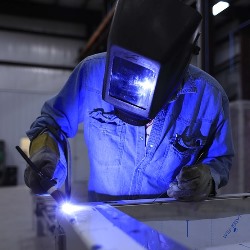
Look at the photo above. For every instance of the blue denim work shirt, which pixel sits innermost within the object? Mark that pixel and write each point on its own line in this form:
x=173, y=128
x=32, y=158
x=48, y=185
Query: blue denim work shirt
x=193, y=127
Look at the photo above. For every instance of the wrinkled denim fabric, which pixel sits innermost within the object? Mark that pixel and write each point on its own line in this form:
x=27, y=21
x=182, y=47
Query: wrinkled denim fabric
x=194, y=127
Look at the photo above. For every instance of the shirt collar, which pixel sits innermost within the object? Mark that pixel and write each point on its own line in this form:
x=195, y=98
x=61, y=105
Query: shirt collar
x=188, y=86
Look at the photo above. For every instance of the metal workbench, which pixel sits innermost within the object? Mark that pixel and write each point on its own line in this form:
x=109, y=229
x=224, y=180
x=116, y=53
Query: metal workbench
x=218, y=223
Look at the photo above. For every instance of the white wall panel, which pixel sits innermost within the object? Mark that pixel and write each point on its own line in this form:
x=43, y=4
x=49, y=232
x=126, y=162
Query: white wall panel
x=25, y=87
x=18, y=79
x=39, y=49
x=17, y=111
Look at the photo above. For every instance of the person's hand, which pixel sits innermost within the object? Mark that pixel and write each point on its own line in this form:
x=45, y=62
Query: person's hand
x=44, y=153
x=193, y=183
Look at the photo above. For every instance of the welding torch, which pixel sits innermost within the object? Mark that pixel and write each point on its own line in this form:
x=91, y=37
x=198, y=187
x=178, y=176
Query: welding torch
x=47, y=184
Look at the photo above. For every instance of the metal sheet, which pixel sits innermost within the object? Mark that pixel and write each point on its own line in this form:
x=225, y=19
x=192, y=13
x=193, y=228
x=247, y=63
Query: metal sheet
x=221, y=221
x=103, y=227
x=162, y=224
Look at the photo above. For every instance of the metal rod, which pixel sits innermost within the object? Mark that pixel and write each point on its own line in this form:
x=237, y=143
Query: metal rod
x=30, y=163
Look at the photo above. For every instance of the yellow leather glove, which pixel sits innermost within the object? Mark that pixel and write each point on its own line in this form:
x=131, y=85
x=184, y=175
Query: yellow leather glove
x=44, y=153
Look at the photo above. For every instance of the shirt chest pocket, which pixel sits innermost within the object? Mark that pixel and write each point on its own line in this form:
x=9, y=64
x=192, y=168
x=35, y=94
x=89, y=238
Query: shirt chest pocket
x=182, y=147
x=185, y=144
x=106, y=136
x=189, y=141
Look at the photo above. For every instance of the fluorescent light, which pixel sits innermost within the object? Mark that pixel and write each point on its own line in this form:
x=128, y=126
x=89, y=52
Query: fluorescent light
x=219, y=7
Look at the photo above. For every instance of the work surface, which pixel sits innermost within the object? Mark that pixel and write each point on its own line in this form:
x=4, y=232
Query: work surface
x=205, y=224
x=217, y=223
x=17, y=222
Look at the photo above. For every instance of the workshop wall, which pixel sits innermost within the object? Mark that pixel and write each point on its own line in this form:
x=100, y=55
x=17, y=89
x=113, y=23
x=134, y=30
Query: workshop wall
x=36, y=58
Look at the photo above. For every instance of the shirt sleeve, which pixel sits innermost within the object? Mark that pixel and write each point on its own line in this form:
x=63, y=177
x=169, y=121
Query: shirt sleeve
x=221, y=151
x=63, y=111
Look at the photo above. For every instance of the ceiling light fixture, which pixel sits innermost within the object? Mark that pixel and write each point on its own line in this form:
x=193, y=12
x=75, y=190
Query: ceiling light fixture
x=219, y=7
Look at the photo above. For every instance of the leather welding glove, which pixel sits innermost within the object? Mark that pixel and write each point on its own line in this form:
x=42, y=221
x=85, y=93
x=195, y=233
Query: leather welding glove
x=193, y=183
x=45, y=154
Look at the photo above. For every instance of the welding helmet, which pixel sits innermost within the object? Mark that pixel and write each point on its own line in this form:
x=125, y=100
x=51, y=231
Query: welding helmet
x=150, y=45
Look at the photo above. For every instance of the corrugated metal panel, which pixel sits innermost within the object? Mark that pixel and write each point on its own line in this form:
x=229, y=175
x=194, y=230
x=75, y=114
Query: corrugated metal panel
x=96, y=4
x=41, y=25
x=240, y=174
x=224, y=53
x=26, y=48
x=19, y=79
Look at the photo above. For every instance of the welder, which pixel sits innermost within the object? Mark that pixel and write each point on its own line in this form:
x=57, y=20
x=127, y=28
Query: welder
x=154, y=124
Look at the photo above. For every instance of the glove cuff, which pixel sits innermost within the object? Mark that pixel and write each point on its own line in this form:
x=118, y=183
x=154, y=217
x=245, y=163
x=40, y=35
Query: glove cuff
x=43, y=141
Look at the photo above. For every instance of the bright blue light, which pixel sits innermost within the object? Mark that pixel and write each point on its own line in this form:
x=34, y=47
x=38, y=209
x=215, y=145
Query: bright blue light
x=131, y=82
x=69, y=208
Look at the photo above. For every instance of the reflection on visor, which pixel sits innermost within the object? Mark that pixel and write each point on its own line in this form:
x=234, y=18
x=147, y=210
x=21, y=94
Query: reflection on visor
x=131, y=83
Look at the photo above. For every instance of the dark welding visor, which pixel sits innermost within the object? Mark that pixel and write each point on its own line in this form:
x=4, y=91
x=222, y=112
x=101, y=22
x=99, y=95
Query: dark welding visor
x=150, y=45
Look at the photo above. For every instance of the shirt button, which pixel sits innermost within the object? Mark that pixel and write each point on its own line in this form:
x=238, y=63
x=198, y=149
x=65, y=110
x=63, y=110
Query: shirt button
x=151, y=145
